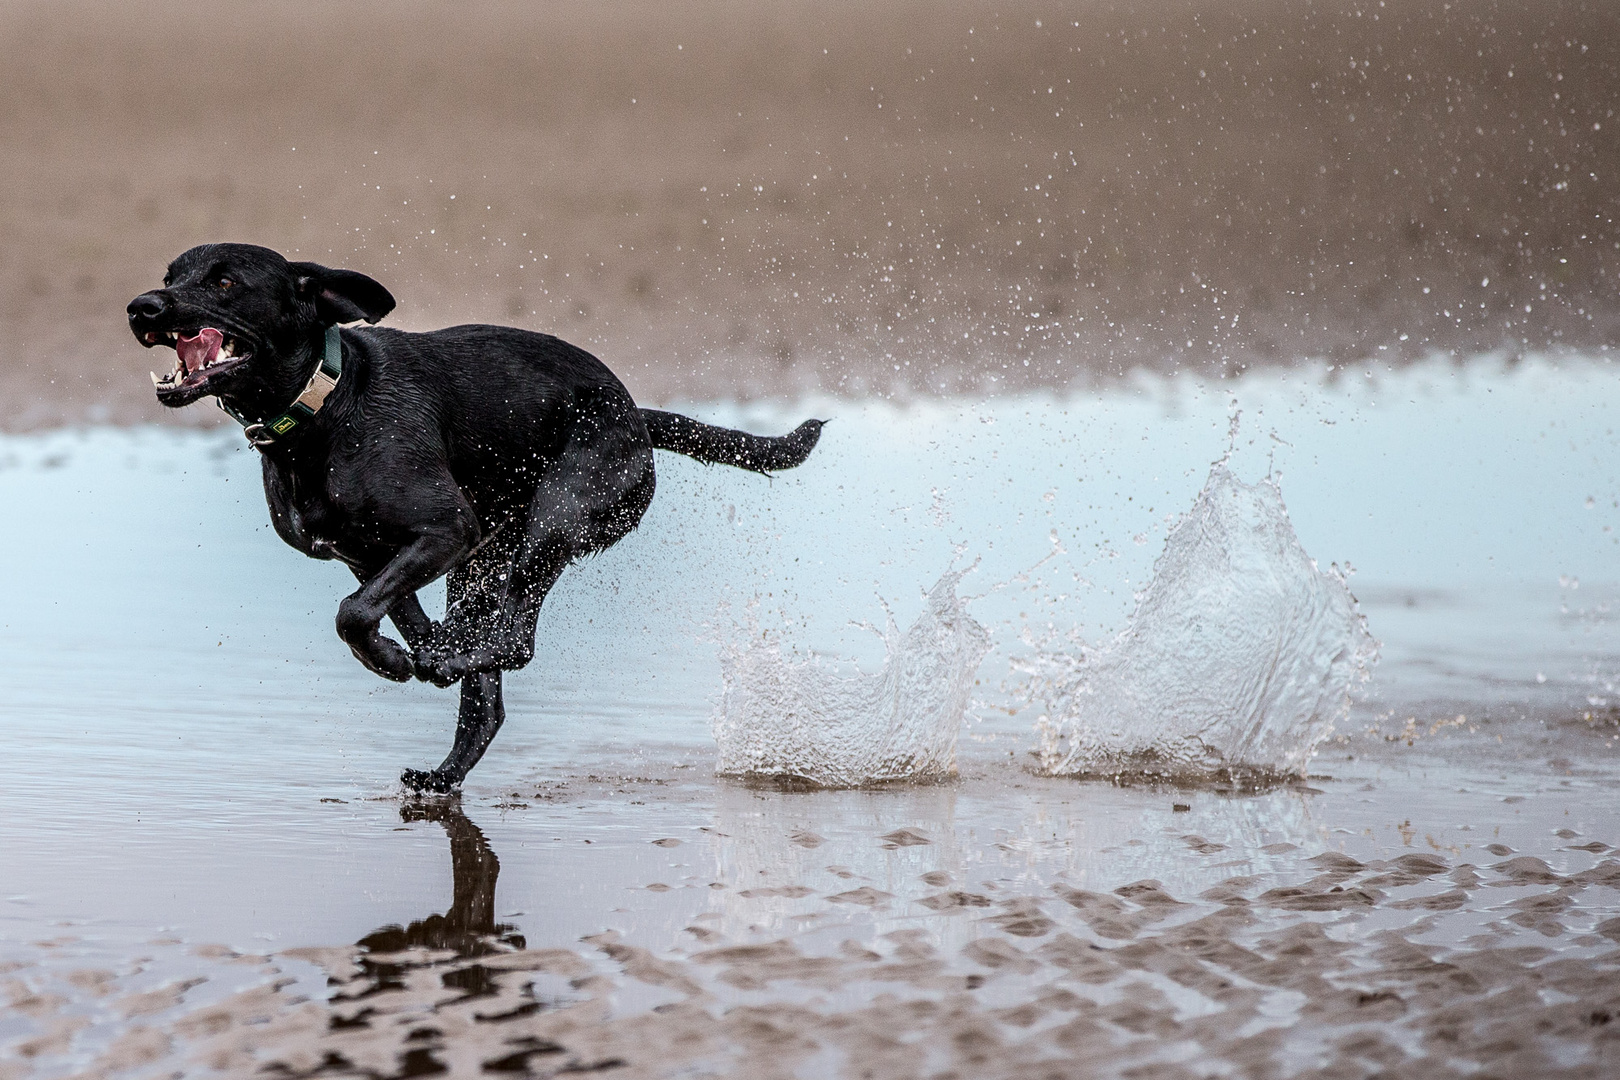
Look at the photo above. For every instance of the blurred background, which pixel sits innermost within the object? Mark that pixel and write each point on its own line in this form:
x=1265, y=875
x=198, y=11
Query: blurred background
x=740, y=198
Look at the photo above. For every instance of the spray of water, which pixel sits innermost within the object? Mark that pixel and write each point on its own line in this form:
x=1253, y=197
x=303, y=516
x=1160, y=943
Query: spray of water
x=1238, y=661
x=803, y=720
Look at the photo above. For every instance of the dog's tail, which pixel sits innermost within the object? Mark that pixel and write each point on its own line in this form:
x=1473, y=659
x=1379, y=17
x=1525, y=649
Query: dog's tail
x=723, y=446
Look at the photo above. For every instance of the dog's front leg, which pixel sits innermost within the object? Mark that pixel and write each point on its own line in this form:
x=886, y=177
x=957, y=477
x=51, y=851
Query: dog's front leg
x=412, y=622
x=407, y=616
x=392, y=590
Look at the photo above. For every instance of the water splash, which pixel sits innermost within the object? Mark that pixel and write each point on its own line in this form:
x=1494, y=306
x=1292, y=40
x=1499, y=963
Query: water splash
x=803, y=720
x=1238, y=661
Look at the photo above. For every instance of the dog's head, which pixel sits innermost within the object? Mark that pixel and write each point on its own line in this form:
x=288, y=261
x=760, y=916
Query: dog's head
x=245, y=324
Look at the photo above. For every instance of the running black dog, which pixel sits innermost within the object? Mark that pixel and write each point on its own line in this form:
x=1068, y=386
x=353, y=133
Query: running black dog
x=497, y=456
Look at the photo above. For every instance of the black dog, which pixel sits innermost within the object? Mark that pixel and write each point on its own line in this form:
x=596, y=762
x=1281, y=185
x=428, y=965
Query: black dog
x=494, y=455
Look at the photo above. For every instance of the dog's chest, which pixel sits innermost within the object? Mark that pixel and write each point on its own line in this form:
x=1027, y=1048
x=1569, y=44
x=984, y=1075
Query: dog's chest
x=326, y=526
x=325, y=522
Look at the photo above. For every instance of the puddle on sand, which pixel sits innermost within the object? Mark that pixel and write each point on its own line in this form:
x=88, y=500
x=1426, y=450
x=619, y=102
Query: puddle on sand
x=198, y=764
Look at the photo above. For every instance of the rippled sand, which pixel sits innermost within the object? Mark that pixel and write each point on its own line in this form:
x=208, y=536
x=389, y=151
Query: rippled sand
x=729, y=198
x=1426, y=963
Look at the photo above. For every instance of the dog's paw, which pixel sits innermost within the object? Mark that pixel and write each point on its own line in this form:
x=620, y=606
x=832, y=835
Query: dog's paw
x=443, y=668
x=440, y=668
x=386, y=657
x=429, y=780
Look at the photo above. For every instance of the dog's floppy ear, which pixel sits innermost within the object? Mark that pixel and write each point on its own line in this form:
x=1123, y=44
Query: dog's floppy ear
x=341, y=296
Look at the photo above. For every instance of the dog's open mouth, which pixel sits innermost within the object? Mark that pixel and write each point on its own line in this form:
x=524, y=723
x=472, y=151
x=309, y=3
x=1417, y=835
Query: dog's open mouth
x=198, y=357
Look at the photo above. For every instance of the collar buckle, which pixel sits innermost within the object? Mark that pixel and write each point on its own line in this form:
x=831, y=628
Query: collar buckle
x=258, y=436
x=266, y=433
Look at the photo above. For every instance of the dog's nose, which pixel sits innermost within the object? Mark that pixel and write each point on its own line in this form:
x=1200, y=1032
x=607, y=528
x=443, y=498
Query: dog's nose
x=150, y=305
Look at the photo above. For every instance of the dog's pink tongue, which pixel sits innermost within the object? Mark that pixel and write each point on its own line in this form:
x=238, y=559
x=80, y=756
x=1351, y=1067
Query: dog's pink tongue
x=198, y=352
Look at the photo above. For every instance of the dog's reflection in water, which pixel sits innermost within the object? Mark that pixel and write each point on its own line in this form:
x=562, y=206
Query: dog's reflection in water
x=467, y=931
x=416, y=995
x=469, y=927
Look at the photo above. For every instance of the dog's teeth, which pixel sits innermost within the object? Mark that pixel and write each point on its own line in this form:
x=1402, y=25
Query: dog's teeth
x=155, y=380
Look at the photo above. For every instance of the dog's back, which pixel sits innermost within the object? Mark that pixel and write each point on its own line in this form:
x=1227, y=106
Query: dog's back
x=502, y=400
x=504, y=395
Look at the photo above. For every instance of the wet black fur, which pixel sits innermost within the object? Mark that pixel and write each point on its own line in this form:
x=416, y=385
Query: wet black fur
x=491, y=454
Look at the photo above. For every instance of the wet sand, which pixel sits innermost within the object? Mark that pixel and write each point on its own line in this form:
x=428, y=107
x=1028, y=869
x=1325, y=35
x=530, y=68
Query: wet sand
x=732, y=199
x=983, y=942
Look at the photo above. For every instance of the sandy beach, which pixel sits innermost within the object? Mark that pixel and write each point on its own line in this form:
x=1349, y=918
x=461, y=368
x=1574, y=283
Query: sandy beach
x=733, y=198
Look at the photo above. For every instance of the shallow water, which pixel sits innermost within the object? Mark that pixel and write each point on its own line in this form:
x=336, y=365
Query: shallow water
x=197, y=760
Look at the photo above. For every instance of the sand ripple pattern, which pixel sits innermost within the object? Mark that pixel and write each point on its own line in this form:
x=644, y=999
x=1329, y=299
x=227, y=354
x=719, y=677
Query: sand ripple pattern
x=1241, y=654
x=1413, y=966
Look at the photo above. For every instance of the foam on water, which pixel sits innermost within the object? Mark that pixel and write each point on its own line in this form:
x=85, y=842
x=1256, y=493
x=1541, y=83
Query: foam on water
x=1239, y=658
x=804, y=720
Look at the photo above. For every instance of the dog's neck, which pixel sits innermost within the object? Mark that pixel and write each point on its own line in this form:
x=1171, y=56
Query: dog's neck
x=280, y=406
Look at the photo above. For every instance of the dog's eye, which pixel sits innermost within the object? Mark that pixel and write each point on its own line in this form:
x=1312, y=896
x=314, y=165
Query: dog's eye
x=226, y=283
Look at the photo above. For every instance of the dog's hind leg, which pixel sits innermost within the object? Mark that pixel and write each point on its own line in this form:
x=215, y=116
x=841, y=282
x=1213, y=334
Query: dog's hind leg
x=532, y=579
x=588, y=500
x=481, y=716
x=475, y=595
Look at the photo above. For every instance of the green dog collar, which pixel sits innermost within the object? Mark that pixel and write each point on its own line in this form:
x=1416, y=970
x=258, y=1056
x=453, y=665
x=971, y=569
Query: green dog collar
x=308, y=404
